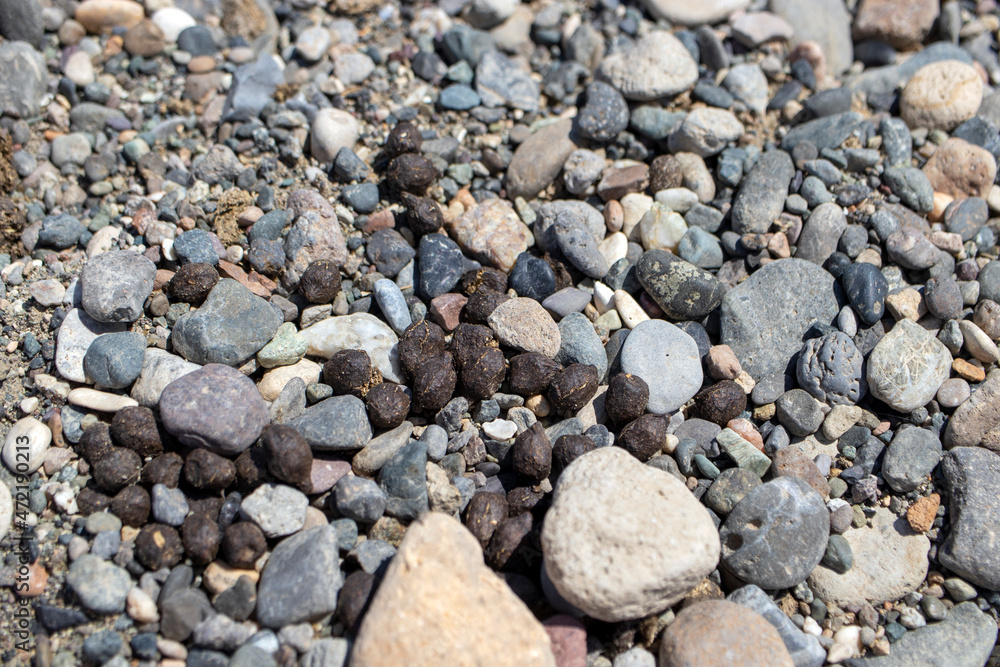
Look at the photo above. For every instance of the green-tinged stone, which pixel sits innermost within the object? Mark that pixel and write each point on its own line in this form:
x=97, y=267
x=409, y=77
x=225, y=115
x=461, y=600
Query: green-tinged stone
x=742, y=452
x=286, y=348
x=838, y=556
x=706, y=467
x=838, y=487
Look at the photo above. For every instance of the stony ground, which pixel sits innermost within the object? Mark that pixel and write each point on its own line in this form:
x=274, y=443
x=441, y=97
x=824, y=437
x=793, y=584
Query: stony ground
x=483, y=332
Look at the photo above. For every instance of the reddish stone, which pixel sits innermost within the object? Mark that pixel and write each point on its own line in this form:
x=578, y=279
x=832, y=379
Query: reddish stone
x=326, y=473
x=445, y=309
x=569, y=640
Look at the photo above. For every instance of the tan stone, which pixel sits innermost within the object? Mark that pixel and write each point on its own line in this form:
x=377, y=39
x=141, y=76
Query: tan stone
x=493, y=233
x=941, y=95
x=922, y=513
x=103, y=15
x=901, y=23
x=523, y=324
x=275, y=379
x=219, y=577
x=961, y=169
x=792, y=461
x=716, y=632
x=440, y=604
x=890, y=560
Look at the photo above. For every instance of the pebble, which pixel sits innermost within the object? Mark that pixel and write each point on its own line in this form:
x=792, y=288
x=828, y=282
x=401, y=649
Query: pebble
x=605, y=113
x=709, y=628
x=941, y=95
x=776, y=535
x=830, y=368
x=706, y=131
x=609, y=486
x=359, y=331
x=657, y=66
x=115, y=360
x=973, y=478
x=523, y=324
x=890, y=560
x=492, y=233
x=961, y=169
x=159, y=368
x=682, y=290
x=77, y=332
x=803, y=648
x=332, y=130
x=25, y=446
x=440, y=265
x=967, y=634
x=215, y=407
x=667, y=359
x=301, y=579
x=579, y=343
x=337, y=423
x=765, y=345
x=100, y=586
x=907, y=366
x=538, y=160
x=277, y=509
x=866, y=288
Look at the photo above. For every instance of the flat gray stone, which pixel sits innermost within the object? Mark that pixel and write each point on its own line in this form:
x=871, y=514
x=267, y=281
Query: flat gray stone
x=972, y=548
x=765, y=317
x=301, y=579
x=337, y=423
x=667, y=359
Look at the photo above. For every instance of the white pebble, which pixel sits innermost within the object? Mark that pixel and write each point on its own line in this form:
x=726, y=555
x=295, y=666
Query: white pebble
x=101, y=401
x=630, y=311
x=604, y=297
x=29, y=405
x=25, y=446
x=500, y=429
x=140, y=606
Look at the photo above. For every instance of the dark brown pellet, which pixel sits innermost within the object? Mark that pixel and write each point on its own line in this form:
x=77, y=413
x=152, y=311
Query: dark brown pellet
x=573, y=386
x=481, y=305
x=569, y=448
x=485, y=512
x=722, y=402
x=532, y=453
x=95, y=442
x=251, y=468
x=404, y=138
x=165, y=469
x=91, y=500
x=411, y=173
x=242, y=544
x=192, y=282
x=626, y=398
x=135, y=428
x=509, y=548
x=201, y=537
x=531, y=373
x=467, y=339
x=351, y=372
x=132, y=505
x=118, y=467
x=352, y=601
x=486, y=279
x=523, y=499
x=425, y=216
x=289, y=458
x=421, y=341
x=208, y=471
x=388, y=405
x=434, y=383
x=644, y=437
x=320, y=282
x=158, y=546
x=483, y=372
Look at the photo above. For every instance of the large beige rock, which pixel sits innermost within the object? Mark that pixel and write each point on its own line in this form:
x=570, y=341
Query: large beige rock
x=901, y=23
x=492, y=233
x=657, y=66
x=624, y=540
x=941, y=95
x=523, y=324
x=890, y=560
x=274, y=380
x=907, y=366
x=440, y=605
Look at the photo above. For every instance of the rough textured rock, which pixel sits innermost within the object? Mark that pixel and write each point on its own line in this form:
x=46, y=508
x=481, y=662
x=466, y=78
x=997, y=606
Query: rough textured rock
x=539, y=159
x=765, y=316
x=667, y=359
x=972, y=548
x=658, y=65
x=438, y=600
x=301, y=579
x=890, y=560
x=492, y=233
x=907, y=366
x=976, y=421
x=601, y=551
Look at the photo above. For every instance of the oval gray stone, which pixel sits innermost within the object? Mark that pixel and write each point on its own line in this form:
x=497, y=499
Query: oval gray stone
x=907, y=367
x=115, y=360
x=667, y=359
x=337, y=423
x=115, y=285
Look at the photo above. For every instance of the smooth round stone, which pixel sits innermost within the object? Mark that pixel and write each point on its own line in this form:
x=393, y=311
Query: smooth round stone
x=680, y=288
x=458, y=97
x=580, y=344
x=331, y=130
x=706, y=131
x=661, y=228
x=890, y=561
x=215, y=407
x=532, y=277
x=115, y=360
x=776, y=535
x=277, y=509
x=159, y=368
x=720, y=632
x=523, y=324
x=866, y=288
x=25, y=446
x=172, y=21
x=953, y=392
x=658, y=65
x=601, y=552
x=312, y=43
x=99, y=16
x=47, y=292
x=667, y=359
x=940, y=95
x=907, y=366
x=701, y=249
x=392, y=303
x=911, y=457
x=100, y=401
x=761, y=197
x=830, y=368
x=115, y=285
x=70, y=149
x=977, y=343
x=169, y=506
x=579, y=246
